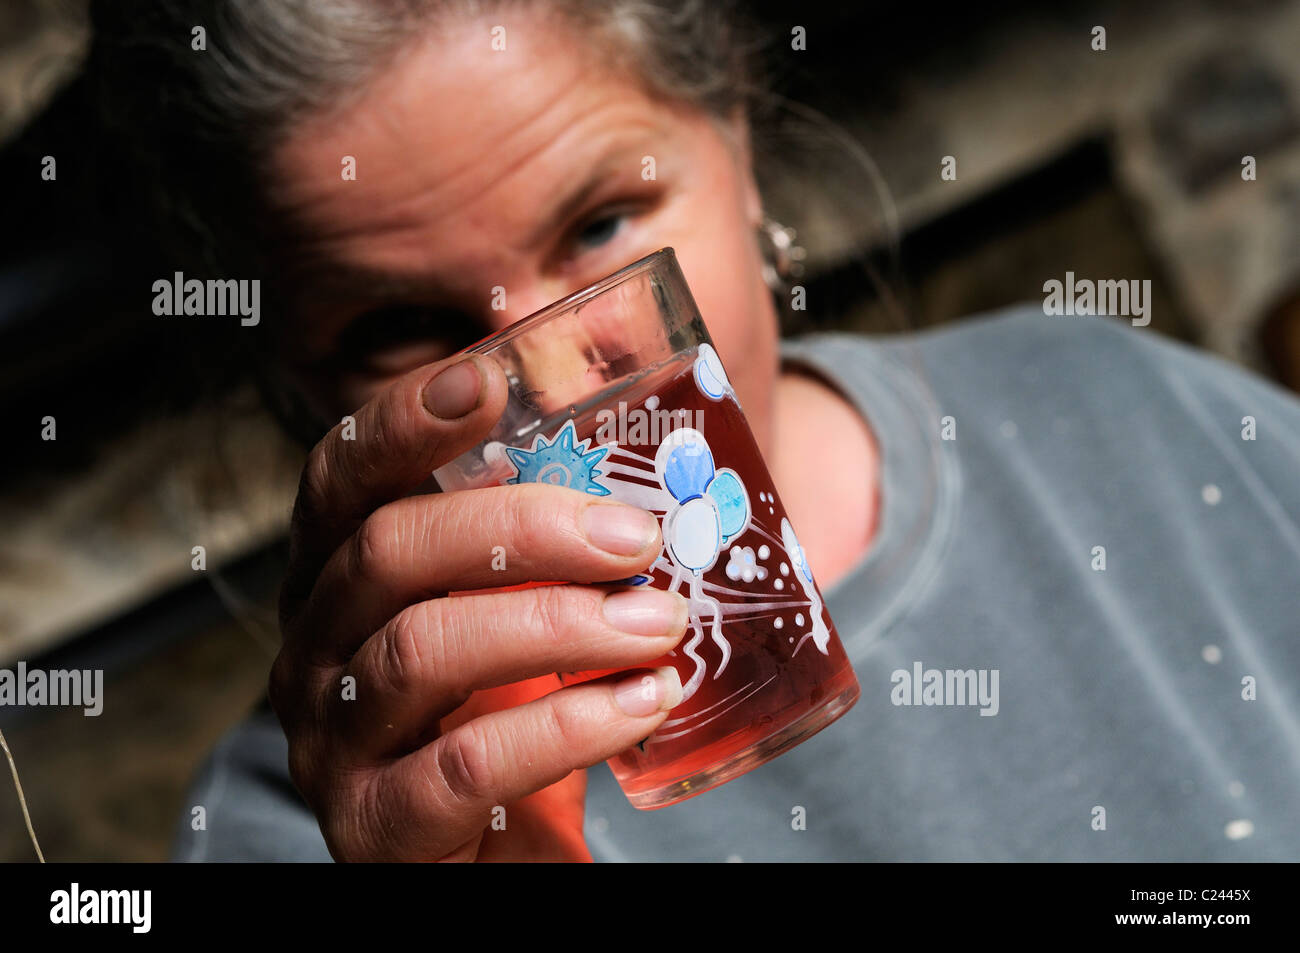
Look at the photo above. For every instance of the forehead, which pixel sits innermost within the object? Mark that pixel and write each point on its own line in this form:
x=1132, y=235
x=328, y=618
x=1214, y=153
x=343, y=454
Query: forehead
x=456, y=135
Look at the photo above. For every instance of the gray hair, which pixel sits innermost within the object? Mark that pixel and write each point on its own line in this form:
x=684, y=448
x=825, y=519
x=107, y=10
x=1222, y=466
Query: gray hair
x=198, y=128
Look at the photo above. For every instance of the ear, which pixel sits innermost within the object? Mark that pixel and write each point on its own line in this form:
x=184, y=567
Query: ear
x=738, y=136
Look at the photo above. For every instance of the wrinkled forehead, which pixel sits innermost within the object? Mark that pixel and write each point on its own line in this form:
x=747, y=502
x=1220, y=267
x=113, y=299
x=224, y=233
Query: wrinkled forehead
x=462, y=115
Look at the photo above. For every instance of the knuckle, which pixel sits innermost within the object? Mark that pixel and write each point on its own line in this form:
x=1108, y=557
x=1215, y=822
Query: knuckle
x=465, y=763
x=568, y=726
x=301, y=768
x=279, y=681
x=358, y=830
x=349, y=804
x=536, y=519
x=314, y=483
x=371, y=545
x=386, y=429
x=405, y=652
x=555, y=610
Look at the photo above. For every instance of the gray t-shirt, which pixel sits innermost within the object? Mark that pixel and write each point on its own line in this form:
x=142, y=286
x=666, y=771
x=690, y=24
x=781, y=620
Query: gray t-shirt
x=1075, y=528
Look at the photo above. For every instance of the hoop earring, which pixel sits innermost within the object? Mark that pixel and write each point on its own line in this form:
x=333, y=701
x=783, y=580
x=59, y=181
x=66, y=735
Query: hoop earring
x=782, y=258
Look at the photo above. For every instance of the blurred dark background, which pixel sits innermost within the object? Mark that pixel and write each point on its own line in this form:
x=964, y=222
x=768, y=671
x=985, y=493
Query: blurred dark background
x=1123, y=163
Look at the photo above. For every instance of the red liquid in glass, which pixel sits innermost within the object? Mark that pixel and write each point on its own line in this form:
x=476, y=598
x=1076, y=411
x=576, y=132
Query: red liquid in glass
x=778, y=686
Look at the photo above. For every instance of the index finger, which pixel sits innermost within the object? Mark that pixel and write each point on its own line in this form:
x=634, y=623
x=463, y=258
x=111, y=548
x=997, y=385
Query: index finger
x=425, y=419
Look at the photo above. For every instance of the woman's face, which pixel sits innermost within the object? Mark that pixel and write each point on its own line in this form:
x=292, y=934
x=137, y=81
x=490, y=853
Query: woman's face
x=520, y=169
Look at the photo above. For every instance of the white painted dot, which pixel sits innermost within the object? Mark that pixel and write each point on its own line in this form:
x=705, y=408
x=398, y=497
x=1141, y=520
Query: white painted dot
x=790, y=640
x=735, y=859
x=1212, y=654
x=778, y=623
x=770, y=510
x=652, y=402
x=798, y=618
x=764, y=552
x=600, y=824
x=1008, y=429
x=785, y=570
x=1236, y=789
x=779, y=583
x=1239, y=829
x=1211, y=494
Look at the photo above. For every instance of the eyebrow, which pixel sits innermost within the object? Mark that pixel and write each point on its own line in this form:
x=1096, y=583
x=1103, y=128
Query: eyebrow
x=569, y=206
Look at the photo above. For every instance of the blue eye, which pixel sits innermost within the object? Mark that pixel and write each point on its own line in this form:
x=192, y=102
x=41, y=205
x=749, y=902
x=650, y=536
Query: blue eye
x=599, y=231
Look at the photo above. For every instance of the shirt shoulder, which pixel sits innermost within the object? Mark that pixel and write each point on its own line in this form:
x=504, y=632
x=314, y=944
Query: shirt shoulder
x=1102, y=365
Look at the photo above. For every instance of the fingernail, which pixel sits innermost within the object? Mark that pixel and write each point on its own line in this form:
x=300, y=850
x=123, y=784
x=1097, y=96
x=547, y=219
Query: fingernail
x=455, y=391
x=619, y=529
x=649, y=692
x=646, y=611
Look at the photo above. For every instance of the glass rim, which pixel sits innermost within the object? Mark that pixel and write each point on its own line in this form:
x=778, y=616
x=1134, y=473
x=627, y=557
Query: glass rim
x=571, y=301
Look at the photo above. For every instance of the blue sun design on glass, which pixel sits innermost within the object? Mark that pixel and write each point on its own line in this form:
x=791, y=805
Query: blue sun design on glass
x=561, y=462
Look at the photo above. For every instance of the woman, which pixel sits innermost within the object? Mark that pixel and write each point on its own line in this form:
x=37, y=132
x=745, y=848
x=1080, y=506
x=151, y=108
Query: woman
x=1040, y=519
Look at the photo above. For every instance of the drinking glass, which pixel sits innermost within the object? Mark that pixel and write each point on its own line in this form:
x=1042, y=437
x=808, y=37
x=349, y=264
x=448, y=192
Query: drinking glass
x=617, y=391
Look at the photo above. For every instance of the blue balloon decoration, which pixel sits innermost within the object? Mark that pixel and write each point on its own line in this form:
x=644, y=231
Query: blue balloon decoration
x=688, y=470
x=733, y=503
